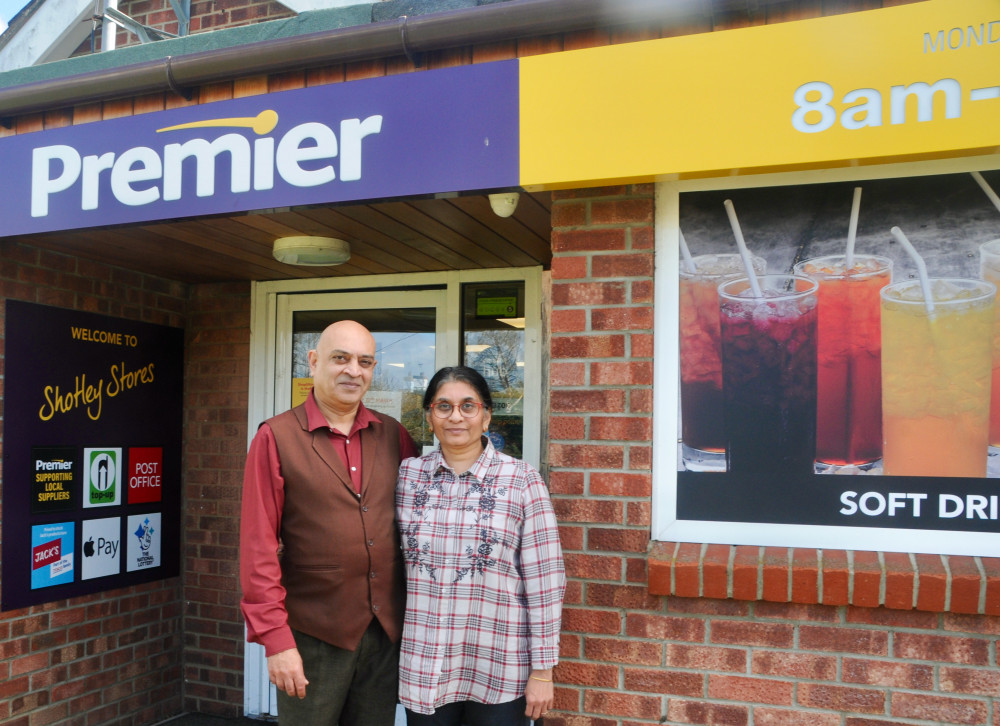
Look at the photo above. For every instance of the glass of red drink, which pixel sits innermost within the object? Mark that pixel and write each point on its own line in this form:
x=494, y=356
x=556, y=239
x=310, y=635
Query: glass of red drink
x=849, y=356
x=702, y=435
x=769, y=374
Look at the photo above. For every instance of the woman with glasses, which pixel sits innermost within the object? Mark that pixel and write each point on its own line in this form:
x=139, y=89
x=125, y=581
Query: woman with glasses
x=484, y=571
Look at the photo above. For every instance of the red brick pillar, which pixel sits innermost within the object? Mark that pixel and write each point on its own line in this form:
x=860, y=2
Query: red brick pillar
x=600, y=426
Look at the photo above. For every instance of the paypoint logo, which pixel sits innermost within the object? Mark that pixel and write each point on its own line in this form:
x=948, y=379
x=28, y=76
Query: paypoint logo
x=143, y=175
x=101, y=485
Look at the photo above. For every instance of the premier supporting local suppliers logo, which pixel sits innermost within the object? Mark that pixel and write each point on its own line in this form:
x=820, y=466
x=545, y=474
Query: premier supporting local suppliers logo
x=101, y=486
x=141, y=175
x=54, y=482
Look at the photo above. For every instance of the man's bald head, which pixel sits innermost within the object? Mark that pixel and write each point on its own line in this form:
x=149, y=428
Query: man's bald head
x=342, y=365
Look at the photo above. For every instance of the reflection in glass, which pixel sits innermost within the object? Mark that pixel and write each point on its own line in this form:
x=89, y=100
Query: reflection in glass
x=404, y=351
x=493, y=344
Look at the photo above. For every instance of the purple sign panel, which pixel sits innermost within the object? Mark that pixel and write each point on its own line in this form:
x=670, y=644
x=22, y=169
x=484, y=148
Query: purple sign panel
x=437, y=131
x=91, y=453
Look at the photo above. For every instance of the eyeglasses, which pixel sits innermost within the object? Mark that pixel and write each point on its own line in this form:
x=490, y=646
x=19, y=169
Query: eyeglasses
x=443, y=409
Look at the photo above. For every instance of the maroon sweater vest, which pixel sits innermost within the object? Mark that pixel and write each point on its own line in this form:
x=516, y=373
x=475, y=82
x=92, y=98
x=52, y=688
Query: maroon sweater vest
x=342, y=563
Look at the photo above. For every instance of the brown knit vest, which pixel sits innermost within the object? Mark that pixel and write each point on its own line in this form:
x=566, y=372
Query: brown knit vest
x=342, y=563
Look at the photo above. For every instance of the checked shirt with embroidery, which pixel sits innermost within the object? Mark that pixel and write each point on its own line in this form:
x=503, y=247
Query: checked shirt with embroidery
x=484, y=580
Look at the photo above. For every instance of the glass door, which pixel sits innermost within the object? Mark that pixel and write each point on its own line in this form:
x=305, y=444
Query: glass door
x=410, y=344
x=487, y=319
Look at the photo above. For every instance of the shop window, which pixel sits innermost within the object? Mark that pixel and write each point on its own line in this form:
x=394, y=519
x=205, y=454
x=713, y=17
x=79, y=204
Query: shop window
x=824, y=408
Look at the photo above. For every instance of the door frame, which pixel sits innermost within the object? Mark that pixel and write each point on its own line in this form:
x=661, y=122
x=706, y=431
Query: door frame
x=268, y=307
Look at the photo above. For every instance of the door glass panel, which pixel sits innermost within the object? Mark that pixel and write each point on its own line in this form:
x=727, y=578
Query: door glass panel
x=493, y=344
x=404, y=352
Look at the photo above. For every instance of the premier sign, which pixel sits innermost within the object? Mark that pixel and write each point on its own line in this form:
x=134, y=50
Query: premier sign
x=142, y=175
x=433, y=132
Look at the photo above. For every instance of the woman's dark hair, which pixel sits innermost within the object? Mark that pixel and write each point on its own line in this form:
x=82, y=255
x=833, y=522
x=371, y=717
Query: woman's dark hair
x=463, y=374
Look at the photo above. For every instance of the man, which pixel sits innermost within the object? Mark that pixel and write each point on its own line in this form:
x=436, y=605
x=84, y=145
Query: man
x=321, y=568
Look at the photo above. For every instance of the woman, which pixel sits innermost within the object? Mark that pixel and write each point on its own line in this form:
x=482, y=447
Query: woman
x=484, y=571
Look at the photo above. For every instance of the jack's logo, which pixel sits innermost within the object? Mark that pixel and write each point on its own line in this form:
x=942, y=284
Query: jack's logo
x=102, y=487
x=52, y=554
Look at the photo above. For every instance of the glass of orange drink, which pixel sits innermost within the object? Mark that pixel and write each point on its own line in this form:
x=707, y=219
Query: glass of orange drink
x=936, y=371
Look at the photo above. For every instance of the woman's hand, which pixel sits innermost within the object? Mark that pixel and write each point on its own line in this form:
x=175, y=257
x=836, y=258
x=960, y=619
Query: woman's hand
x=539, y=694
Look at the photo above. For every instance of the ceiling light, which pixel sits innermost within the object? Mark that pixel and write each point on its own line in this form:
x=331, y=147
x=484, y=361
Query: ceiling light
x=312, y=251
x=504, y=204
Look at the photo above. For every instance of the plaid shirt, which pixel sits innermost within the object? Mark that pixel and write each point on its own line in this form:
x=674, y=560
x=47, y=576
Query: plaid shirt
x=484, y=580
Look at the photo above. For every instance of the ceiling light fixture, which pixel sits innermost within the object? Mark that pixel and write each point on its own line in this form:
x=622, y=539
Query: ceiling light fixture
x=504, y=204
x=311, y=251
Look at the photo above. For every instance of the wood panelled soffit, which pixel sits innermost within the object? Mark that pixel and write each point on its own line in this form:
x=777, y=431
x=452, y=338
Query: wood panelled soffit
x=413, y=235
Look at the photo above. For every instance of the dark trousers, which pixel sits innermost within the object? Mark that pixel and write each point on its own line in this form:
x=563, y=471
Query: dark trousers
x=346, y=688
x=470, y=713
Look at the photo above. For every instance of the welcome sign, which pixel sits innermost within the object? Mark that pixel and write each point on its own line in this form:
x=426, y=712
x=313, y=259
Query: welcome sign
x=91, y=454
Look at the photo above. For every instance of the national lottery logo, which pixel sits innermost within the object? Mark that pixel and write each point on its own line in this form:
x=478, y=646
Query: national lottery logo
x=103, y=467
x=143, y=541
x=145, y=534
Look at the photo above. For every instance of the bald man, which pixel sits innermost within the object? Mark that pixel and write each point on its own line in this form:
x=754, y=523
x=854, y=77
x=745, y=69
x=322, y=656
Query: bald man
x=320, y=565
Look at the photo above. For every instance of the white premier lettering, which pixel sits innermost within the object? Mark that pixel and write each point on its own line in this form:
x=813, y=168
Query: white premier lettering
x=142, y=175
x=205, y=153
x=58, y=465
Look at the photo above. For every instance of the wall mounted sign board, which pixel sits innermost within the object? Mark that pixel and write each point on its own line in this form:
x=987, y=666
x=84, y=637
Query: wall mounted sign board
x=91, y=454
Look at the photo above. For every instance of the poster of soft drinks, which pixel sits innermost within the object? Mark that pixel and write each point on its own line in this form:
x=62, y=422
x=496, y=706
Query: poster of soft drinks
x=851, y=348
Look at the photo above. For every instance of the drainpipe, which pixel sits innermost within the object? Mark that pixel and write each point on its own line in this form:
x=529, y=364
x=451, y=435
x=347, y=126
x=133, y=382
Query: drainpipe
x=406, y=36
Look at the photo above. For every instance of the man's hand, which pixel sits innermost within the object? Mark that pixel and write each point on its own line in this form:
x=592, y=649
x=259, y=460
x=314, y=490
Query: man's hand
x=539, y=694
x=285, y=671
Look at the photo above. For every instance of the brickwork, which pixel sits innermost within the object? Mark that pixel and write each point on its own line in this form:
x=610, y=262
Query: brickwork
x=216, y=386
x=205, y=16
x=673, y=633
x=685, y=633
x=112, y=657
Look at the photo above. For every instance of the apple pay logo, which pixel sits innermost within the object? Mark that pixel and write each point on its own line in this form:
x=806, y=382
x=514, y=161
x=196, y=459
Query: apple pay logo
x=101, y=547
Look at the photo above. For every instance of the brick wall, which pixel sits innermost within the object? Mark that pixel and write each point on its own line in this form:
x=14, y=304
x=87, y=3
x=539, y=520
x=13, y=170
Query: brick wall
x=112, y=657
x=711, y=634
x=216, y=386
x=205, y=15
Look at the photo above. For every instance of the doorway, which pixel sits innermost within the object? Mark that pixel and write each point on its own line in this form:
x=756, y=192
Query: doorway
x=490, y=320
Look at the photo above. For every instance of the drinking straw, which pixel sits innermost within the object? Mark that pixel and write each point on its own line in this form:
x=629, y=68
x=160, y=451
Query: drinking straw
x=984, y=185
x=925, y=283
x=686, y=254
x=744, y=252
x=852, y=230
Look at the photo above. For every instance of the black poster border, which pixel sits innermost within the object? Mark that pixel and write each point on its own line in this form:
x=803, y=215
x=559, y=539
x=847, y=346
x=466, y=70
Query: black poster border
x=45, y=347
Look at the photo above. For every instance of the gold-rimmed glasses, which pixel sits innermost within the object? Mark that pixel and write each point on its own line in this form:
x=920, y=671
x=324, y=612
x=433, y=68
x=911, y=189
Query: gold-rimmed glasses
x=443, y=409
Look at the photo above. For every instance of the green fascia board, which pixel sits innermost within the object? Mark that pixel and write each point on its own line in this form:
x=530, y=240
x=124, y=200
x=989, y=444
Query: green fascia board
x=312, y=21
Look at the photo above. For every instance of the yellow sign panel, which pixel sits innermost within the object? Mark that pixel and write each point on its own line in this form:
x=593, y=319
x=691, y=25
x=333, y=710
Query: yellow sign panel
x=900, y=83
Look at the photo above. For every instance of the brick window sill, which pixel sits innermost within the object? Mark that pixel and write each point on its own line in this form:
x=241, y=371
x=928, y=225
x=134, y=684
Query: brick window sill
x=931, y=583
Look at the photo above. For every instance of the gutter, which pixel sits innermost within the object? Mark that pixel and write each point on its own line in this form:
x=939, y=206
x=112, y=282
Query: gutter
x=404, y=36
